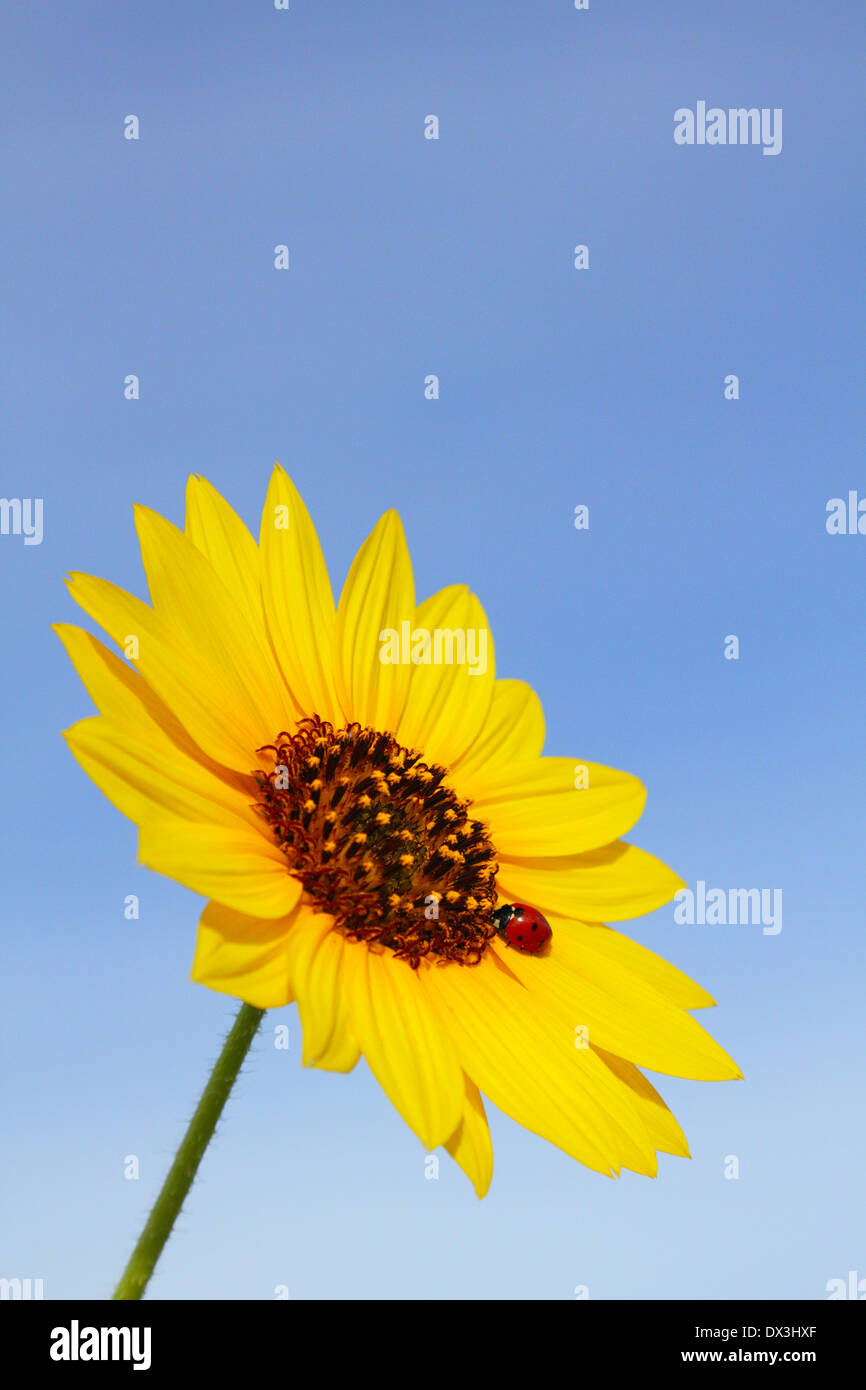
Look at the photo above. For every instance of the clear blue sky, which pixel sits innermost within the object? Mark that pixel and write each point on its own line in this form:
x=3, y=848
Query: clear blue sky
x=558, y=387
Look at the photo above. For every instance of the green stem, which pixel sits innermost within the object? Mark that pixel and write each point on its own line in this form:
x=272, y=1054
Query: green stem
x=189, y=1155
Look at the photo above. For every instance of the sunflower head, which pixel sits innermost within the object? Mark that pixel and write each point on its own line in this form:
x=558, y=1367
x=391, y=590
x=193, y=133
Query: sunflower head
x=357, y=826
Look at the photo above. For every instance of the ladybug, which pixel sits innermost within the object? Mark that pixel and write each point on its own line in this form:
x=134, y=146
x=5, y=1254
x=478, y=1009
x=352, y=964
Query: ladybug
x=523, y=928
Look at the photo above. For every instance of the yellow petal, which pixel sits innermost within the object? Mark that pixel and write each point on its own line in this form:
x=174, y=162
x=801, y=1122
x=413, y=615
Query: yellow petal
x=183, y=677
x=607, y=884
x=316, y=971
x=513, y=731
x=621, y=1013
x=299, y=605
x=534, y=807
x=147, y=777
x=244, y=956
x=524, y=1059
x=238, y=869
x=218, y=532
x=605, y=954
x=192, y=598
x=470, y=1144
x=378, y=596
x=123, y=695
x=406, y=1050
x=664, y=1132
x=448, y=703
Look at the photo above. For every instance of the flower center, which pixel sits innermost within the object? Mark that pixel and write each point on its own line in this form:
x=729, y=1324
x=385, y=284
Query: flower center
x=379, y=840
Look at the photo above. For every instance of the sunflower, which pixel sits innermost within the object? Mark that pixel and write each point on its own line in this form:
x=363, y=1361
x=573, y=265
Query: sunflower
x=355, y=824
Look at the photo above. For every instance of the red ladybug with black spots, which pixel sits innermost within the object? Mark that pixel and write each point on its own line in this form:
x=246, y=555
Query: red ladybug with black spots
x=522, y=927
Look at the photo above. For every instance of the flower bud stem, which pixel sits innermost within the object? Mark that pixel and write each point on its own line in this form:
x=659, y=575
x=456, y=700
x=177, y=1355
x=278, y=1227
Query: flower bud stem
x=188, y=1157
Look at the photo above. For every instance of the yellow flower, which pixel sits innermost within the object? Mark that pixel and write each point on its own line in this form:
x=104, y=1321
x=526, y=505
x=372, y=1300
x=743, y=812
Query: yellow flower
x=355, y=822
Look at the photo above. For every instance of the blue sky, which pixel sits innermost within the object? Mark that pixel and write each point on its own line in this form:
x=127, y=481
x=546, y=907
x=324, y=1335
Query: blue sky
x=557, y=387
